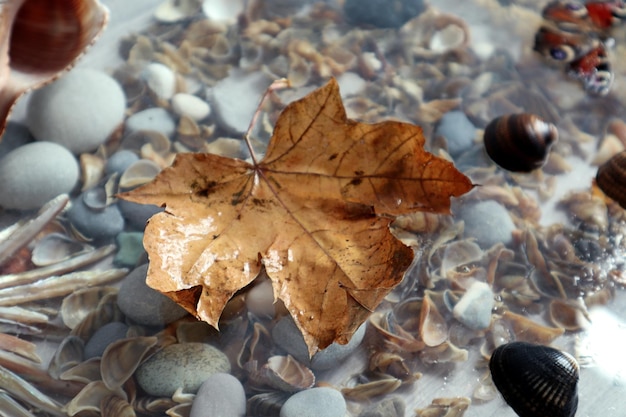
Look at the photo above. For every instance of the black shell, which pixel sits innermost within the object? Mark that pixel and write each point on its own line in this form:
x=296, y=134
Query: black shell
x=536, y=380
x=611, y=178
x=519, y=142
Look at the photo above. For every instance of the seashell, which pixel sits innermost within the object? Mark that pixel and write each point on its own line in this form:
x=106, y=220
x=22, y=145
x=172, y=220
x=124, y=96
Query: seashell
x=90, y=398
x=69, y=353
x=525, y=329
x=365, y=391
x=139, y=173
x=85, y=372
x=114, y=406
x=610, y=178
x=570, y=315
x=56, y=247
x=445, y=407
x=136, y=140
x=519, y=142
x=283, y=373
x=41, y=40
x=76, y=306
x=536, y=380
x=121, y=359
x=179, y=410
x=91, y=170
x=433, y=328
x=105, y=312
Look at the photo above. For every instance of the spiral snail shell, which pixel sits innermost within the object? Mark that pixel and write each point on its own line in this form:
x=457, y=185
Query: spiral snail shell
x=536, y=380
x=519, y=142
x=611, y=178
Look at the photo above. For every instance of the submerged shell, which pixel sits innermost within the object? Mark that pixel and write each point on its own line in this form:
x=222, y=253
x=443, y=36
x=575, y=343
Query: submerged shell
x=284, y=373
x=611, y=178
x=536, y=380
x=56, y=247
x=519, y=142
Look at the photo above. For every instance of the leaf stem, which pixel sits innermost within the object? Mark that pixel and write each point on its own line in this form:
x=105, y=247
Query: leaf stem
x=275, y=86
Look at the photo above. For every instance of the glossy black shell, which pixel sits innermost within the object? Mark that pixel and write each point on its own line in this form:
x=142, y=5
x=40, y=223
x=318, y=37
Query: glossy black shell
x=611, y=178
x=519, y=142
x=536, y=380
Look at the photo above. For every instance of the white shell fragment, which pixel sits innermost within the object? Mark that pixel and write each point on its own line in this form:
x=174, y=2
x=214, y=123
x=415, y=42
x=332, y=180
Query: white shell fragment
x=474, y=307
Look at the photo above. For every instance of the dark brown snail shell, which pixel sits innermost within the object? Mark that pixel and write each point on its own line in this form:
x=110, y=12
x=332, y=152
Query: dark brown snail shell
x=536, y=380
x=519, y=142
x=611, y=178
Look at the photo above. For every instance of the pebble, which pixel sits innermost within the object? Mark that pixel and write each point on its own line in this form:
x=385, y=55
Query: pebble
x=382, y=14
x=221, y=395
x=315, y=402
x=191, y=106
x=130, y=249
x=488, y=222
x=474, y=307
x=286, y=335
x=389, y=407
x=137, y=214
x=14, y=136
x=235, y=98
x=79, y=110
x=160, y=79
x=103, y=223
x=156, y=118
x=145, y=305
x=103, y=337
x=35, y=173
x=181, y=365
x=458, y=131
x=120, y=161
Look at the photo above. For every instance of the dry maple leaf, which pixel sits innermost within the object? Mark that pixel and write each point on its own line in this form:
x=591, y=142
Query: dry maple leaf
x=315, y=212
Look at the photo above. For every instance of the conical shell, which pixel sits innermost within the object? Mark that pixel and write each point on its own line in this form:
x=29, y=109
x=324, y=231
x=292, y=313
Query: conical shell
x=611, y=178
x=536, y=380
x=40, y=40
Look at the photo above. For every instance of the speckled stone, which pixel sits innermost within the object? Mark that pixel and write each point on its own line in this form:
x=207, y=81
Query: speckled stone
x=35, y=173
x=488, y=222
x=221, y=395
x=458, y=131
x=79, y=110
x=145, y=305
x=382, y=13
x=182, y=365
x=315, y=402
x=190, y=106
x=103, y=337
x=120, y=161
x=96, y=224
x=156, y=118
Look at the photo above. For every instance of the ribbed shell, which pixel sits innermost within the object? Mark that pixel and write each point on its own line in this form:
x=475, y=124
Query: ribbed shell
x=611, y=178
x=519, y=142
x=536, y=380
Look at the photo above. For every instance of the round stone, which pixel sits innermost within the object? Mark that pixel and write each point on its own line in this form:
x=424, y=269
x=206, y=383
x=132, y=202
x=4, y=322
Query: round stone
x=156, y=119
x=191, y=106
x=120, y=161
x=96, y=224
x=181, y=365
x=315, y=402
x=138, y=214
x=145, y=305
x=79, y=110
x=160, y=79
x=221, y=395
x=35, y=173
x=14, y=136
x=488, y=222
x=103, y=337
x=382, y=13
x=458, y=131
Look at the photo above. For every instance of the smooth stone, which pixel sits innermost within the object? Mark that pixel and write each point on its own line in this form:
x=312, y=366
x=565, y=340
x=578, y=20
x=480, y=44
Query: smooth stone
x=181, y=365
x=156, y=118
x=95, y=224
x=14, y=136
x=315, y=402
x=235, y=98
x=191, y=106
x=138, y=214
x=160, y=79
x=474, y=307
x=130, y=248
x=221, y=395
x=458, y=131
x=145, y=305
x=120, y=161
x=382, y=13
x=389, y=407
x=287, y=335
x=488, y=222
x=35, y=173
x=79, y=110
x=103, y=337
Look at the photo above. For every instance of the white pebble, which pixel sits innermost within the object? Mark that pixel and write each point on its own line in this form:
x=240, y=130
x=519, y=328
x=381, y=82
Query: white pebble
x=78, y=111
x=160, y=79
x=474, y=307
x=156, y=119
x=190, y=106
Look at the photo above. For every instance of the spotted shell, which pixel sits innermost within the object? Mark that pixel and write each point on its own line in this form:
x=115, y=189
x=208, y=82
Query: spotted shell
x=536, y=380
x=611, y=178
x=519, y=142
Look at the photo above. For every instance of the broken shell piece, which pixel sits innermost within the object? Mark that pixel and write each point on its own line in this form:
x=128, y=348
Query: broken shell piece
x=367, y=390
x=56, y=247
x=136, y=140
x=90, y=398
x=570, y=315
x=85, y=372
x=120, y=359
x=91, y=169
x=433, y=327
x=69, y=353
x=115, y=406
x=527, y=330
x=172, y=11
x=139, y=173
x=284, y=373
x=76, y=306
x=445, y=407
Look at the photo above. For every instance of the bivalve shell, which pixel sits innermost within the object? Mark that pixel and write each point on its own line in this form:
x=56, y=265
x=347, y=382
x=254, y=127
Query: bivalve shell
x=610, y=178
x=536, y=380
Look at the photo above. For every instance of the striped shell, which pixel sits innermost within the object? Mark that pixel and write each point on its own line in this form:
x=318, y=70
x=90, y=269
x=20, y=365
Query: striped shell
x=536, y=380
x=611, y=178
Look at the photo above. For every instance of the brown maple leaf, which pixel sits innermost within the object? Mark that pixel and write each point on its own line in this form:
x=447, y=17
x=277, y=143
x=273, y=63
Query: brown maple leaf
x=315, y=212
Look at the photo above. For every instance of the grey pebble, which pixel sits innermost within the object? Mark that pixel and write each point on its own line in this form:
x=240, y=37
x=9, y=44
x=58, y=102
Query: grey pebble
x=221, y=395
x=145, y=305
x=156, y=118
x=96, y=224
x=79, y=110
x=382, y=14
x=35, y=173
x=137, y=214
x=181, y=365
x=120, y=161
x=14, y=136
x=103, y=337
x=286, y=335
x=458, y=131
x=488, y=222
x=315, y=402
